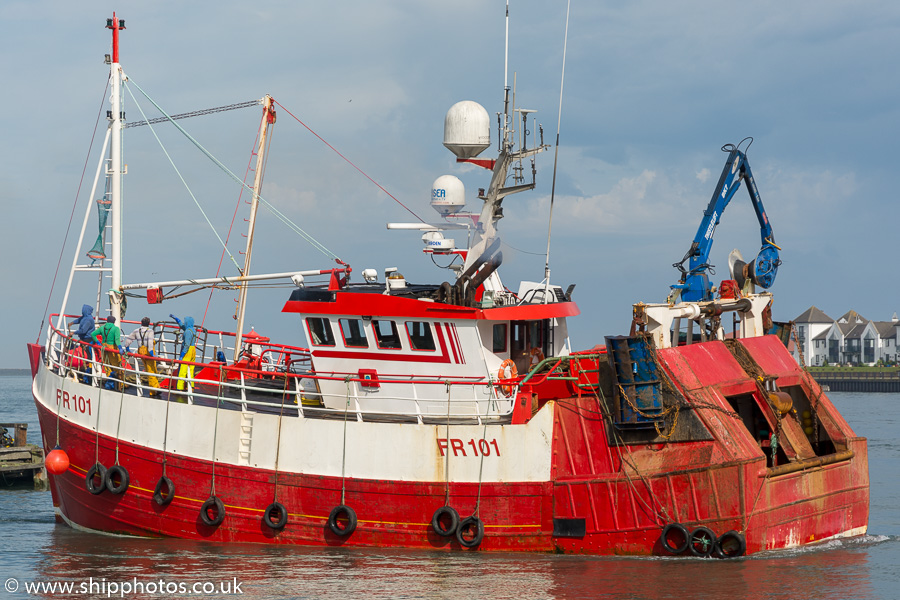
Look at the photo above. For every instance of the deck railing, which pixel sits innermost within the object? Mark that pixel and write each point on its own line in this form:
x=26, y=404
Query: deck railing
x=278, y=378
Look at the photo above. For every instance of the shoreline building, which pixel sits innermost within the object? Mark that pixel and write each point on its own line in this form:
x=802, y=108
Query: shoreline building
x=851, y=339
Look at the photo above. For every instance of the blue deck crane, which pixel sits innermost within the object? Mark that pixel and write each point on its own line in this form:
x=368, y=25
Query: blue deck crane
x=694, y=285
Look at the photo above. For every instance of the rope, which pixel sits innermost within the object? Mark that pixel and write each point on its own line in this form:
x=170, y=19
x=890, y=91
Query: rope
x=447, y=452
x=278, y=214
x=71, y=216
x=483, y=439
x=661, y=514
x=344, y=449
x=119, y=423
x=212, y=489
x=97, y=427
x=180, y=176
x=278, y=439
x=814, y=403
x=348, y=161
x=166, y=429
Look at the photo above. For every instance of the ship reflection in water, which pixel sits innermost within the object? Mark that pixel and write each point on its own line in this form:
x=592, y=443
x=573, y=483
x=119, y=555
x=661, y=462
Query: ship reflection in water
x=839, y=570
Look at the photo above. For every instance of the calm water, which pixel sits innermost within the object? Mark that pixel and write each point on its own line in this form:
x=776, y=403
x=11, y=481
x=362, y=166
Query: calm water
x=33, y=548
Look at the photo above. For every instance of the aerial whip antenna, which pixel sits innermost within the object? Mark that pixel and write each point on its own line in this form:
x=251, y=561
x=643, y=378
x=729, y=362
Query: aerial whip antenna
x=556, y=157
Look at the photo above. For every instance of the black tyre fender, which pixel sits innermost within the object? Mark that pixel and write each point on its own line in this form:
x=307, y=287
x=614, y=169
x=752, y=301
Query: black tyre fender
x=97, y=470
x=731, y=544
x=215, y=503
x=120, y=473
x=348, y=513
x=703, y=541
x=470, y=532
x=679, y=529
x=281, y=516
x=438, y=526
x=169, y=485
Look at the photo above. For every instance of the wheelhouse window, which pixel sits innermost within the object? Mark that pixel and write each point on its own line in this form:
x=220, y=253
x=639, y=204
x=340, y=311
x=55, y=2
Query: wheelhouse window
x=320, y=333
x=499, y=344
x=354, y=332
x=420, y=336
x=386, y=335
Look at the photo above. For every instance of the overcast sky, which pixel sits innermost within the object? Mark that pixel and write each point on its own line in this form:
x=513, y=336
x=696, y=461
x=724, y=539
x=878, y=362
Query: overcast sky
x=652, y=91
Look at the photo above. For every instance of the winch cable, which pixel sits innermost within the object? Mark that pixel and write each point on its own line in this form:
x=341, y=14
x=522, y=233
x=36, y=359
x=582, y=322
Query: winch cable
x=348, y=161
x=62, y=248
x=278, y=214
x=180, y=176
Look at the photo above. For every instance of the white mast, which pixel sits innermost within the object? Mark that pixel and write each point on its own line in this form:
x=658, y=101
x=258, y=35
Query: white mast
x=115, y=168
x=268, y=118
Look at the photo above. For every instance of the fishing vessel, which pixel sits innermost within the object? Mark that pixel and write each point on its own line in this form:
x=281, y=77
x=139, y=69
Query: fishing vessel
x=452, y=415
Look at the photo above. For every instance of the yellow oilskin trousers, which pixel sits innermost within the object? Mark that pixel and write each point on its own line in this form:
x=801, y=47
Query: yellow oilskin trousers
x=185, y=370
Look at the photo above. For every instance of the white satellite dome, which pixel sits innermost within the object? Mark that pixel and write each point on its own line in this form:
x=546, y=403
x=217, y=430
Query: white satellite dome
x=467, y=129
x=448, y=195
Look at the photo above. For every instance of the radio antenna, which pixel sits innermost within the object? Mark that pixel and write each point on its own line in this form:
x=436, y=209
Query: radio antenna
x=556, y=156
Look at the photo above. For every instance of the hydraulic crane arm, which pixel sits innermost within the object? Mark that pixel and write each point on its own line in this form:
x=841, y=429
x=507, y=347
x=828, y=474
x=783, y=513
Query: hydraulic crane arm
x=694, y=284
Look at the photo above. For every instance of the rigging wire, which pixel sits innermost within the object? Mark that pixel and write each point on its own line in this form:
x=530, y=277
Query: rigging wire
x=349, y=162
x=278, y=214
x=556, y=151
x=195, y=113
x=180, y=176
x=231, y=226
x=72, y=215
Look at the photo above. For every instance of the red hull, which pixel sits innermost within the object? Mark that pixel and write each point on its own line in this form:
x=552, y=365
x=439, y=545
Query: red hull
x=722, y=484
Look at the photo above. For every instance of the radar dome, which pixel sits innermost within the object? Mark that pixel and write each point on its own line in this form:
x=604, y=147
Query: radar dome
x=448, y=195
x=467, y=129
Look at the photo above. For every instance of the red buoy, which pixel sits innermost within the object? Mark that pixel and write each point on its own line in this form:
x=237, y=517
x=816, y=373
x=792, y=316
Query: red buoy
x=57, y=461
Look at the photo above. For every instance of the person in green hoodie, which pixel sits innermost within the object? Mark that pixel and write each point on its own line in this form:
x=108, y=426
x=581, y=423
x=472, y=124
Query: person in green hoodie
x=109, y=336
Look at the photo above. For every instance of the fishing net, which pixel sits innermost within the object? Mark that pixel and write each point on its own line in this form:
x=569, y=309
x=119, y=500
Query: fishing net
x=96, y=253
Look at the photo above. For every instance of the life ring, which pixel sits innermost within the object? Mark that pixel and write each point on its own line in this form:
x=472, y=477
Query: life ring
x=281, y=516
x=730, y=544
x=679, y=530
x=337, y=512
x=438, y=526
x=703, y=542
x=120, y=474
x=158, y=496
x=507, y=372
x=470, y=532
x=97, y=470
x=215, y=503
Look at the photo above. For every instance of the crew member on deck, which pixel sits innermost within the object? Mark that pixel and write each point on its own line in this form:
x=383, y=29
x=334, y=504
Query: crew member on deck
x=143, y=335
x=81, y=354
x=188, y=349
x=110, y=338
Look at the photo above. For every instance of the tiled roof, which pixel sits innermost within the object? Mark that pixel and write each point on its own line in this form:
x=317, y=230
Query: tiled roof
x=851, y=316
x=813, y=315
x=886, y=329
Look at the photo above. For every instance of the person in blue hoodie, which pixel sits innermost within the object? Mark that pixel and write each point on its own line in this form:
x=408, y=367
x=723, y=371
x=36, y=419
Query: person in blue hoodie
x=188, y=349
x=85, y=324
x=85, y=327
